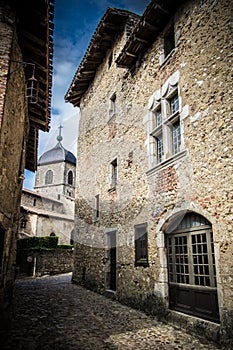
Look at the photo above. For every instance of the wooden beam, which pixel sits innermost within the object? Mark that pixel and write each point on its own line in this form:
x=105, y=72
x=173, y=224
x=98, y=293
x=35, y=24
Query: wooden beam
x=130, y=54
x=148, y=25
x=141, y=40
x=157, y=6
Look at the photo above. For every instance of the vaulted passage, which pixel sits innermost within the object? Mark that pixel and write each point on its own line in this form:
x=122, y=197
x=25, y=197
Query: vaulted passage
x=191, y=268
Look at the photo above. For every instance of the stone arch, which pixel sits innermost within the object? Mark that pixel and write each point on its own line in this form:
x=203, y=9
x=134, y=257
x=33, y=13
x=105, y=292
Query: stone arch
x=188, y=269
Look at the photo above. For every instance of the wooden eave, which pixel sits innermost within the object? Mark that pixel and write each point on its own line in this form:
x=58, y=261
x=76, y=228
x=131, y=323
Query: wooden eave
x=152, y=22
x=35, y=34
x=111, y=24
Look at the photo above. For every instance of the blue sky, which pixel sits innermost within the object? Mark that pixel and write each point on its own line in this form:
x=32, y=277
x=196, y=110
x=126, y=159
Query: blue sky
x=75, y=22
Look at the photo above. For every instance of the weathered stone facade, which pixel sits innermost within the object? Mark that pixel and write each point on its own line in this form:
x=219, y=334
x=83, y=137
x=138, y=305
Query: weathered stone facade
x=18, y=124
x=131, y=180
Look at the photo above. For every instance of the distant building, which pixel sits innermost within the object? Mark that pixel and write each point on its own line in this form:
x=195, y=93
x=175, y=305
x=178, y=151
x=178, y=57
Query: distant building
x=154, y=197
x=49, y=210
x=26, y=58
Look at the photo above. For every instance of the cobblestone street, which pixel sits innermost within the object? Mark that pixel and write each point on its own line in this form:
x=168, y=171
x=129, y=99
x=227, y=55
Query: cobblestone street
x=53, y=313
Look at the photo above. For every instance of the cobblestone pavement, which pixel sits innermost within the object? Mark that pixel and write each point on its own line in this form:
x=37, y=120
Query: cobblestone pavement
x=53, y=313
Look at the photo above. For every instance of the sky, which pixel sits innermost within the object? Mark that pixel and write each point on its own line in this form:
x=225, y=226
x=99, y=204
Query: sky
x=74, y=24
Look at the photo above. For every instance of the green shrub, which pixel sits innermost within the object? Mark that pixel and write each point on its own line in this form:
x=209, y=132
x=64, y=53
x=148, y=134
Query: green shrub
x=65, y=246
x=48, y=242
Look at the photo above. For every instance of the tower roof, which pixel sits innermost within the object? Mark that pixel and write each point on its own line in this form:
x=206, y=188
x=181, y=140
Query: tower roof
x=57, y=154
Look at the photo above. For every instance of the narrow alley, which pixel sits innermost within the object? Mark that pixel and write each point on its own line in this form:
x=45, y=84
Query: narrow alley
x=54, y=313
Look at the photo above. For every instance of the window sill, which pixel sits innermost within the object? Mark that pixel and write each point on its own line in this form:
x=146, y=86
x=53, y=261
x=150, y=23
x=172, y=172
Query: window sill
x=166, y=162
x=141, y=264
x=111, y=117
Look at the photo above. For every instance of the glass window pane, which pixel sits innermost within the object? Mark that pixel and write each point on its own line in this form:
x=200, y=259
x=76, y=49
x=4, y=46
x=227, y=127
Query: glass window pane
x=176, y=137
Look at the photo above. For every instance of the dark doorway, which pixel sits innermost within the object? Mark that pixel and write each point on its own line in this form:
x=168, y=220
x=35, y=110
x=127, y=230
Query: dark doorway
x=110, y=267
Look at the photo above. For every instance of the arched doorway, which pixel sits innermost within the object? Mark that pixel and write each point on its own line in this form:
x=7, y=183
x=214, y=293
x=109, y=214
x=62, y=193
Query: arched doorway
x=191, y=267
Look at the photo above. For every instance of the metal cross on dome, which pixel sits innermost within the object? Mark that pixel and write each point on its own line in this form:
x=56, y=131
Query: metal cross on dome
x=59, y=137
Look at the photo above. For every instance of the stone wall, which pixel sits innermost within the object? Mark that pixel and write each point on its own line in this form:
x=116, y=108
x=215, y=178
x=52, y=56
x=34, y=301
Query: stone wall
x=45, y=262
x=14, y=128
x=198, y=179
x=30, y=199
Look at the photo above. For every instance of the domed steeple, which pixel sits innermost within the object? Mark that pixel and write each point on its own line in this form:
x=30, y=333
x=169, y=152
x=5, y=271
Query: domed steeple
x=55, y=175
x=57, y=154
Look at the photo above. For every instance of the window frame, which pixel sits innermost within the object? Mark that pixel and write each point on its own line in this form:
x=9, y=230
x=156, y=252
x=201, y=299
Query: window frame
x=141, y=245
x=165, y=130
x=49, y=177
x=199, y=253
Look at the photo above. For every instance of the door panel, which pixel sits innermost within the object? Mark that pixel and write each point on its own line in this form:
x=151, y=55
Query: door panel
x=194, y=301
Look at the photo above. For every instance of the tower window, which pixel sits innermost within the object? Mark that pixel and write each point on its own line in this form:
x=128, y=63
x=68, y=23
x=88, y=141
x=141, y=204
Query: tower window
x=70, y=178
x=49, y=177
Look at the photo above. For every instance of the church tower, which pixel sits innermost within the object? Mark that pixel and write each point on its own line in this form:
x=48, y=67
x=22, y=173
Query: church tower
x=55, y=175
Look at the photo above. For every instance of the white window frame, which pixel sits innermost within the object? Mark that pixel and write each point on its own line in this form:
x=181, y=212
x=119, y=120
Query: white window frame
x=161, y=100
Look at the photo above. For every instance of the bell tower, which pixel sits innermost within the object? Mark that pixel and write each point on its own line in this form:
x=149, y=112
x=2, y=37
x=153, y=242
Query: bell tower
x=56, y=170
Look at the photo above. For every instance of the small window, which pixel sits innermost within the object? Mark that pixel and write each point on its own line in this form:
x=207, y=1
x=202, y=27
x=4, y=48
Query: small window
x=97, y=206
x=169, y=41
x=70, y=178
x=141, y=245
x=49, y=177
x=112, y=109
x=34, y=202
x=114, y=173
x=110, y=58
x=23, y=223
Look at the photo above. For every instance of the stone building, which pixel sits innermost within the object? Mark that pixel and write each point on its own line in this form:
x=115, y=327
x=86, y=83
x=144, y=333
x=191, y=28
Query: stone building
x=26, y=32
x=49, y=209
x=154, y=196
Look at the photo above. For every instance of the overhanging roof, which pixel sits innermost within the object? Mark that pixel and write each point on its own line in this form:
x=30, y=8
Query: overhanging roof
x=35, y=33
x=153, y=20
x=110, y=25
